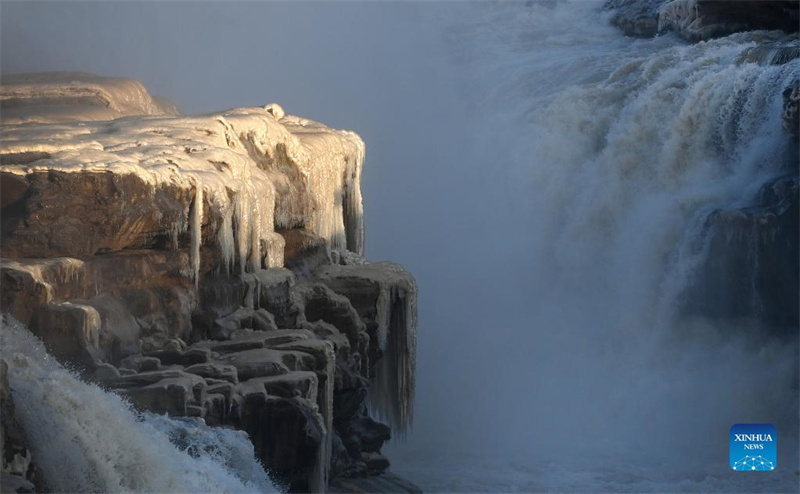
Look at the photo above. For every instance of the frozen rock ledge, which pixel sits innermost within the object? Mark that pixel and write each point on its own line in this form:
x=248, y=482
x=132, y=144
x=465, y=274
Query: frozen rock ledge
x=207, y=266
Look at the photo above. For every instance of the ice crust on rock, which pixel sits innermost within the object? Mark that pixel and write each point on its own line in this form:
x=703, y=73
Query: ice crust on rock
x=250, y=172
x=76, y=96
x=243, y=188
x=683, y=16
x=392, y=304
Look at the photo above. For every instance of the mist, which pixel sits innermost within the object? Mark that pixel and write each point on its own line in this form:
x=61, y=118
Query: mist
x=434, y=195
x=551, y=263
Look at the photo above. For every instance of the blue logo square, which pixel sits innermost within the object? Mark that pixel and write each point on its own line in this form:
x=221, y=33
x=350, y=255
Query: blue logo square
x=754, y=448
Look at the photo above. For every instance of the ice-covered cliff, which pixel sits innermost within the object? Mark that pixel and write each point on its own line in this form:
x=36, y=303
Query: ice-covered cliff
x=75, y=97
x=206, y=266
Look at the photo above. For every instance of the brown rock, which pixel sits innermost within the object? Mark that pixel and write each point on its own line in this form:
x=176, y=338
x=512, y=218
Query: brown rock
x=78, y=214
x=70, y=332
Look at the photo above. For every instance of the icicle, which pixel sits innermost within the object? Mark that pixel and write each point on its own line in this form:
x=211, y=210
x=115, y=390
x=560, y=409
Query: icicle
x=383, y=315
x=255, y=237
x=327, y=404
x=197, y=234
x=242, y=212
x=316, y=481
x=274, y=244
x=353, y=207
x=392, y=395
x=682, y=15
x=225, y=238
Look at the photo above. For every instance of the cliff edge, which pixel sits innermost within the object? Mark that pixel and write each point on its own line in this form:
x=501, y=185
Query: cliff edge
x=207, y=266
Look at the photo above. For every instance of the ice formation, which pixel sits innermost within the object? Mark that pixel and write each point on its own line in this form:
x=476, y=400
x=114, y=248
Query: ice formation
x=197, y=223
x=321, y=471
x=75, y=96
x=339, y=158
x=392, y=394
x=327, y=404
x=254, y=172
x=87, y=440
x=687, y=17
x=682, y=15
x=275, y=109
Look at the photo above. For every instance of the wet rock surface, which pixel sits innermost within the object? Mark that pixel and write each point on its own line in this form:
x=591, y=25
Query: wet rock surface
x=752, y=269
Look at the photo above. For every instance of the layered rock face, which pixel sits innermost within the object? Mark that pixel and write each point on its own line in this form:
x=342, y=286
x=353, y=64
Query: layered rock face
x=209, y=266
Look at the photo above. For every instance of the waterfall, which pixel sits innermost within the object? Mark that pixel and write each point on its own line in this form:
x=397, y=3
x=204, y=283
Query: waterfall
x=618, y=152
x=87, y=440
x=603, y=163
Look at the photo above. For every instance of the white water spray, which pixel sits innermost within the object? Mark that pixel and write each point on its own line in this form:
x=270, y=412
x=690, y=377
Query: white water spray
x=614, y=152
x=87, y=440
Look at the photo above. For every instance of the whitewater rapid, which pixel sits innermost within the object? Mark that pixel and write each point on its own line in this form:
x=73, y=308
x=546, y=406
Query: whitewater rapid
x=84, y=439
x=610, y=154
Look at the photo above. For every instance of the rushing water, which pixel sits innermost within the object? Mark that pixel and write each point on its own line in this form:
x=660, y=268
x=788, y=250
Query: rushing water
x=547, y=180
x=84, y=439
x=614, y=152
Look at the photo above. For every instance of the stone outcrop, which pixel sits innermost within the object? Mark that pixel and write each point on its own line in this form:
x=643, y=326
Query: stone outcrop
x=210, y=267
x=703, y=19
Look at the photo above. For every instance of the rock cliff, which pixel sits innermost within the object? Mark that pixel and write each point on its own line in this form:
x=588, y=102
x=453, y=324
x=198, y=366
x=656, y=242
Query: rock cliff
x=208, y=266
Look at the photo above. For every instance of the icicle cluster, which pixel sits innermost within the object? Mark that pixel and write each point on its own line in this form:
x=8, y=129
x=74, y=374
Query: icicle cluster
x=252, y=171
x=392, y=395
x=333, y=167
x=327, y=412
x=684, y=17
x=321, y=470
x=197, y=224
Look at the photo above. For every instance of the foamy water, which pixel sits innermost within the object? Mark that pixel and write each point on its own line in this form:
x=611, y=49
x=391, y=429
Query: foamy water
x=613, y=152
x=84, y=439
